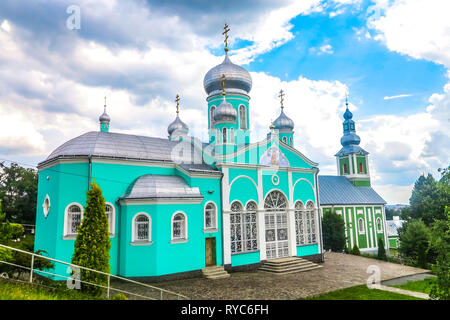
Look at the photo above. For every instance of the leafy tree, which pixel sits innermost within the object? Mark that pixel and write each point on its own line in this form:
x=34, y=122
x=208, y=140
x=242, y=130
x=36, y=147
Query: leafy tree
x=355, y=250
x=333, y=233
x=381, y=251
x=440, y=288
x=92, y=244
x=414, y=239
x=429, y=198
x=18, y=192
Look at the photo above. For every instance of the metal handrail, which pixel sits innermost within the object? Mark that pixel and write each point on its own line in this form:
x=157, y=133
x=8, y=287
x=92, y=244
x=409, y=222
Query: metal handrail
x=109, y=275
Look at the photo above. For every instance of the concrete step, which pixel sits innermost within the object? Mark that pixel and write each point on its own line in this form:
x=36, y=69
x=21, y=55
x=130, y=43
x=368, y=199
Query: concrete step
x=292, y=271
x=288, y=265
x=215, y=272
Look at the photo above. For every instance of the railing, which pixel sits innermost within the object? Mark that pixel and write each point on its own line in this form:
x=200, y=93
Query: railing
x=156, y=293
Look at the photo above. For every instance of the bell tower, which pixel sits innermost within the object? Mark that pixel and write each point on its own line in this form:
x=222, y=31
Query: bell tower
x=352, y=160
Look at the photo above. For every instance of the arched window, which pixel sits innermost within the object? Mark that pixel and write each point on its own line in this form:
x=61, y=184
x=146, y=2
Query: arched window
x=290, y=141
x=74, y=216
x=218, y=136
x=379, y=225
x=242, y=118
x=361, y=225
x=232, y=135
x=243, y=225
x=224, y=135
x=142, y=228
x=300, y=223
x=179, y=226
x=211, y=117
x=210, y=216
x=345, y=168
x=360, y=167
x=109, y=209
x=284, y=140
x=310, y=222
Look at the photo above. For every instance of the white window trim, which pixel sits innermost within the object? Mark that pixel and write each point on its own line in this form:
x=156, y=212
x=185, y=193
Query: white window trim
x=381, y=225
x=133, y=230
x=179, y=240
x=111, y=227
x=245, y=117
x=214, y=228
x=364, y=228
x=44, y=209
x=66, y=234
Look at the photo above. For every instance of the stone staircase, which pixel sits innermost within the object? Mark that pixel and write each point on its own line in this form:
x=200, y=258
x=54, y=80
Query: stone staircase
x=288, y=265
x=215, y=272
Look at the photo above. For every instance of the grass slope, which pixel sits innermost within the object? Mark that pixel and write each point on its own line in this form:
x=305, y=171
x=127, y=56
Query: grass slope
x=10, y=290
x=423, y=286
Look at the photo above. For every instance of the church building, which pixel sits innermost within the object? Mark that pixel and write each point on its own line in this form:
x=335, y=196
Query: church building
x=176, y=205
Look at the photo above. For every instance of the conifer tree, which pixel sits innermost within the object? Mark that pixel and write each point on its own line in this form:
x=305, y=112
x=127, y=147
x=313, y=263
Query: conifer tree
x=381, y=250
x=92, y=244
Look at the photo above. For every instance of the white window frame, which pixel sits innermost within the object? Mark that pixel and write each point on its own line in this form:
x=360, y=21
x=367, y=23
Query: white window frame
x=242, y=122
x=308, y=214
x=133, y=229
x=211, y=114
x=242, y=226
x=363, y=231
x=218, y=133
x=214, y=226
x=185, y=235
x=45, y=207
x=112, y=219
x=378, y=220
x=232, y=135
x=67, y=232
x=224, y=135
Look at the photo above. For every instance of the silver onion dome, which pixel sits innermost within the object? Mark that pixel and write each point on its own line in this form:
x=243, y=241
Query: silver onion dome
x=177, y=126
x=104, y=117
x=238, y=80
x=225, y=111
x=283, y=122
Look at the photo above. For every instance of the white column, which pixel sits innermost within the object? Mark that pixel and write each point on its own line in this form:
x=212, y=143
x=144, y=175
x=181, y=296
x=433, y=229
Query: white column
x=226, y=228
x=350, y=227
x=350, y=164
x=291, y=218
x=356, y=163
x=261, y=219
x=356, y=225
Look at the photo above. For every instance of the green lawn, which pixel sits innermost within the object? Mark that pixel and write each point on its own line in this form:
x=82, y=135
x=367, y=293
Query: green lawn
x=11, y=290
x=423, y=286
x=361, y=293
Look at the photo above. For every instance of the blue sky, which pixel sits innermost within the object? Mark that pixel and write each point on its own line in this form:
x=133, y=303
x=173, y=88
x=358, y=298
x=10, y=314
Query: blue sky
x=391, y=56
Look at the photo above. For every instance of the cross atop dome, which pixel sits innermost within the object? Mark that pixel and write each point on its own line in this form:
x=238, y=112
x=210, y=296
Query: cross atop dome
x=226, y=29
x=281, y=95
x=104, y=119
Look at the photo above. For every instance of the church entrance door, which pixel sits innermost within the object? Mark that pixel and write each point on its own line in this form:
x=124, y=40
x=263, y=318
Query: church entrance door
x=276, y=225
x=210, y=251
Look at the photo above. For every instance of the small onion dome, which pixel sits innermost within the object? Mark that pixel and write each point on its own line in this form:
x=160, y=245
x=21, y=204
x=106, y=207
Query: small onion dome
x=348, y=115
x=238, y=80
x=225, y=112
x=177, y=126
x=104, y=118
x=283, y=122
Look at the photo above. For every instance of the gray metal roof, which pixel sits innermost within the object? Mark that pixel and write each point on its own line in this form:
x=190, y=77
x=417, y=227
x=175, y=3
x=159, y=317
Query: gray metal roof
x=339, y=190
x=153, y=186
x=121, y=146
x=392, y=227
x=283, y=122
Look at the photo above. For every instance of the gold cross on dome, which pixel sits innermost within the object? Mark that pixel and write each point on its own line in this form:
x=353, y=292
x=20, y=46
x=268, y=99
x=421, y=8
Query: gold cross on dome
x=223, y=84
x=281, y=95
x=226, y=29
x=177, y=100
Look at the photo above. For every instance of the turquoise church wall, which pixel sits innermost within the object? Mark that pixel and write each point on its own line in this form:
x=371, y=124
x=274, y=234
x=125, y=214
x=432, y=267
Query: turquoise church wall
x=245, y=258
x=307, y=250
x=68, y=183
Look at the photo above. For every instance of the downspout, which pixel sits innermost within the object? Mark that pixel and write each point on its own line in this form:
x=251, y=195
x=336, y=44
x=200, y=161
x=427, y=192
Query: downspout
x=119, y=235
x=318, y=213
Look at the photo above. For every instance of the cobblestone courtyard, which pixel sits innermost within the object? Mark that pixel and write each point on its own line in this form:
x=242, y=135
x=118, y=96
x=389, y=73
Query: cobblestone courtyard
x=339, y=271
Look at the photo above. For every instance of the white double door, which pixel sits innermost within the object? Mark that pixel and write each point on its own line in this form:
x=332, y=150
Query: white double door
x=277, y=241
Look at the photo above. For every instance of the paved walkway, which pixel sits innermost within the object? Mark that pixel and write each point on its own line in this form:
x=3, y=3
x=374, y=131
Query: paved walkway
x=406, y=292
x=339, y=271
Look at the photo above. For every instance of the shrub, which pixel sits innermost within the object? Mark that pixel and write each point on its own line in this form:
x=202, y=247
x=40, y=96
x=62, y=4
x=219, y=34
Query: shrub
x=333, y=232
x=120, y=296
x=355, y=250
x=414, y=241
